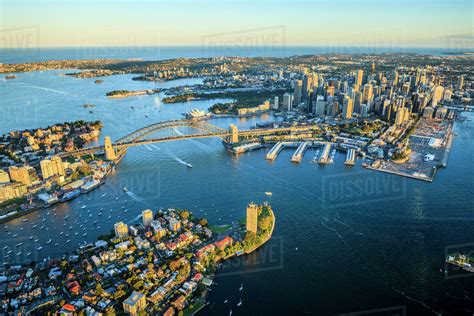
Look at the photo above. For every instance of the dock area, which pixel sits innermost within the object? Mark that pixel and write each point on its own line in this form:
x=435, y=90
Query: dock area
x=350, y=157
x=299, y=153
x=273, y=153
x=324, y=159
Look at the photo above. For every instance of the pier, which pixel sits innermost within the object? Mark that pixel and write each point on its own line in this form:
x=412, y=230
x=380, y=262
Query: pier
x=299, y=153
x=273, y=153
x=350, y=157
x=324, y=159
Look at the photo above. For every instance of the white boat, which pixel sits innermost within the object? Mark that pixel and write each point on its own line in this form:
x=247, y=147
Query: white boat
x=36, y=240
x=39, y=248
x=225, y=301
x=68, y=241
x=83, y=207
x=241, y=287
x=66, y=217
x=24, y=220
x=19, y=244
x=49, y=241
x=239, y=303
x=84, y=235
x=19, y=254
x=15, y=235
x=230, y=312
x=269, y=193
x=34, y=226
x=188, y=165
x=28, y=254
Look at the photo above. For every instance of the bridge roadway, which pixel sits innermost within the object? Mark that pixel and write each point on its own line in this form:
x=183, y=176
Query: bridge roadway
x=136, y=138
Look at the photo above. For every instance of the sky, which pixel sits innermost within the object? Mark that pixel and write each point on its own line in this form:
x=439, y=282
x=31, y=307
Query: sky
x=401, y=23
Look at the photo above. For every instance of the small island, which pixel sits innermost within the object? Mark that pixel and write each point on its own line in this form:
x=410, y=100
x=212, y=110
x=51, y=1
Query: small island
x=126, y=93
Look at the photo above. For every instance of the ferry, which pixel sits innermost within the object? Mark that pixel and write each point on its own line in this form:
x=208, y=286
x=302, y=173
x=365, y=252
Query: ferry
x=70, y=195
x=91, y=185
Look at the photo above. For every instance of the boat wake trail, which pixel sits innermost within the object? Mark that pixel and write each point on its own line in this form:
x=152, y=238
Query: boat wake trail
x=135, y=197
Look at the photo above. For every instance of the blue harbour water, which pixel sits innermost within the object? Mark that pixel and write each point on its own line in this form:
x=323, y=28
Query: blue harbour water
x=334, y=250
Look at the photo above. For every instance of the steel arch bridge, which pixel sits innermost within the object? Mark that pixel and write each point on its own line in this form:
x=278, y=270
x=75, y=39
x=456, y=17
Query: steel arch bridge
x=141, y=136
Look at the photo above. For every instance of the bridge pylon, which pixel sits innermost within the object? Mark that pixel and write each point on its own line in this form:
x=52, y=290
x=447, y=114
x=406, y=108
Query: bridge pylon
x=234, y=134
x=109, y=149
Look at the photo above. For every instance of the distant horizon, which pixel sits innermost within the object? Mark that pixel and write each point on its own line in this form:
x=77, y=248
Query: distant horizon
x=106, y=23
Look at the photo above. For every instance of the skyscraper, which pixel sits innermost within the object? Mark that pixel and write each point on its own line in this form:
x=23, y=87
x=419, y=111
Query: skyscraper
x=287, y=101
x=348, y=108
x=460, y=82
x=147, y=217
x=359, y=76
x=121, y=230
x=368, y=93
x=298, y=90
x=252, y=218
x=276, y=103
x=52, y=167
x=25, y=174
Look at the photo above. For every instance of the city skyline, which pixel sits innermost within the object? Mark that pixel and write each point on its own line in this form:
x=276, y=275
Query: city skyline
x=186, y=23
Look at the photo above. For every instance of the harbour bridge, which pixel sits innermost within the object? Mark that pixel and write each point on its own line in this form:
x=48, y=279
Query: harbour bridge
x=194, y=129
